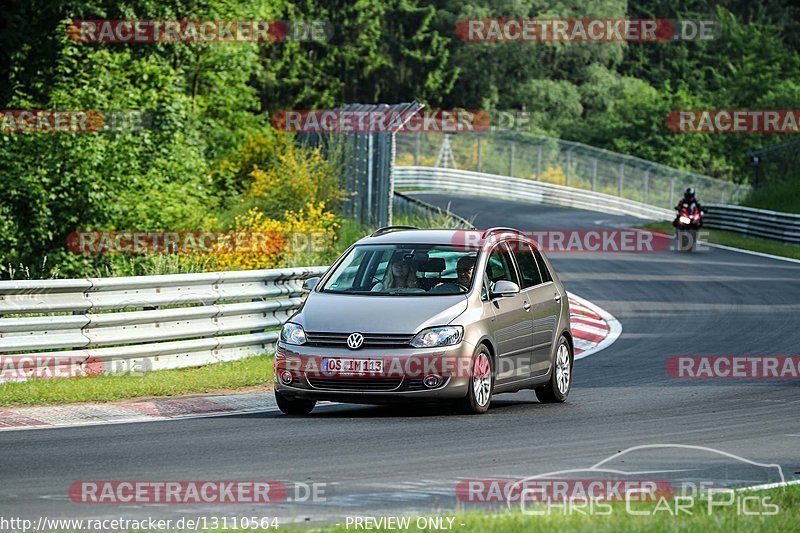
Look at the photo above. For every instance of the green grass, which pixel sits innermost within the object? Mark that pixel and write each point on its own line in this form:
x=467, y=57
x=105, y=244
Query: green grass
x=782, y=197
x=432, y=220
x=618, y=519
x=694, y=518
x=220, y=376
x=349, y=232
x=727, y=238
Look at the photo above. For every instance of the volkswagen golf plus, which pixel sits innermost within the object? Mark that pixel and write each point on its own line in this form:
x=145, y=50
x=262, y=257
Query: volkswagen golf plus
x=428, y=316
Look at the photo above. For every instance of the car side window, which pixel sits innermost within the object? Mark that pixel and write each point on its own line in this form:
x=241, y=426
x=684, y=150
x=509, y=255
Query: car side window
x=527, y=265
x=499, y=266
x=542, y=267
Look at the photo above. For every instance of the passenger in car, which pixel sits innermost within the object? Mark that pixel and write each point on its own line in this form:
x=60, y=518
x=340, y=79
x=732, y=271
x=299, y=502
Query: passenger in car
x=399, y=275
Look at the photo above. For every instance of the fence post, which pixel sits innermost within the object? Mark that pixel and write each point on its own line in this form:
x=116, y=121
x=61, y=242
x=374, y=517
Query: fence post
x=372, y=212
x=594, y=174
x=539, y=162
x=646, y=184
x=671, y=191
x=480, y=153
x=621, y=178
x=566, y=172
x=416, y=149
x=511, y=159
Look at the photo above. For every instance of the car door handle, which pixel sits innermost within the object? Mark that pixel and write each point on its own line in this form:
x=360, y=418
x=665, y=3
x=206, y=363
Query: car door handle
x=557, y=297
x=527, y=306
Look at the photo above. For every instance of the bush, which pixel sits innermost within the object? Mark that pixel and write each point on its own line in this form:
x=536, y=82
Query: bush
x=303, y=238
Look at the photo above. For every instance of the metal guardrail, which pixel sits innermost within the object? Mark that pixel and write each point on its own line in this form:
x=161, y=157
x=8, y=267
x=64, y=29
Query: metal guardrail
x=167, y=321
x=560, y=162
x=464, y=181
x=181, y=320
x=784, y=227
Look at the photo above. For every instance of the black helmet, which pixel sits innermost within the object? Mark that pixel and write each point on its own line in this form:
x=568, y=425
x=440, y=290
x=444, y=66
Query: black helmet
x=688, y=194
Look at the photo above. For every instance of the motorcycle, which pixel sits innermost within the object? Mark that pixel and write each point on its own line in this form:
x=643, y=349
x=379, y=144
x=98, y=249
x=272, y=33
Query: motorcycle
x=688, y=221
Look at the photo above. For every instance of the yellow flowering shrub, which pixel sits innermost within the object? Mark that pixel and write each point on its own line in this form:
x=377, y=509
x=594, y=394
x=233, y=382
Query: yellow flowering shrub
x=258, y=241
x=284, y=214
x=553, y=175
x=297, y=177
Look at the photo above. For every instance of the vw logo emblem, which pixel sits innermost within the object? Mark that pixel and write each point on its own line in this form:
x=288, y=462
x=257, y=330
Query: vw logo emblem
x=355, y=340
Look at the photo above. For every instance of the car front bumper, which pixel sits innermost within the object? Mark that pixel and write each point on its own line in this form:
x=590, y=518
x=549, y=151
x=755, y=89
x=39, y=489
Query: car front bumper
x=402, y=379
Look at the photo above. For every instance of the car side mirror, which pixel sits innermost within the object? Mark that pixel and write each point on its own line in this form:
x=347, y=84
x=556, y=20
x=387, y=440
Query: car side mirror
x=505, y=288
x=310, y=283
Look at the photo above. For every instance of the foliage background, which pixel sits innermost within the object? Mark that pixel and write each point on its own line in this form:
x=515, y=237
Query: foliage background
x=210, y=158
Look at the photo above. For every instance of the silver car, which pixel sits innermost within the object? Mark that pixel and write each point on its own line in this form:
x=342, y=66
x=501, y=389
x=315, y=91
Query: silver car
x=428, y=316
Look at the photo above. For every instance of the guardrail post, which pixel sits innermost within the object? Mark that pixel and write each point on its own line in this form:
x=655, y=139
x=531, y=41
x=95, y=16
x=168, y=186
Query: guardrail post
x=621, y=178
x=594, y=174
x=539, y=162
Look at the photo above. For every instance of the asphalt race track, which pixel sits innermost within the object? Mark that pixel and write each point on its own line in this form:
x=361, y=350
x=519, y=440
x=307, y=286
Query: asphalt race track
x=378, y=460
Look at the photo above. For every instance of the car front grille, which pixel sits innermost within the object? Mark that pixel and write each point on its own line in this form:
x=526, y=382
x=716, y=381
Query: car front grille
x=371, y=340
x=356, y=384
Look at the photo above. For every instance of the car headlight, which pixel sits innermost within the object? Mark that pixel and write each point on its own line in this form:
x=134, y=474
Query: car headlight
x=292, y=333
x=438, y=336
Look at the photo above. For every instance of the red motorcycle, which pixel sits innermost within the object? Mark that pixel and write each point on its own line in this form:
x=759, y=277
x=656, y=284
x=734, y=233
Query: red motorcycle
x=688, y=221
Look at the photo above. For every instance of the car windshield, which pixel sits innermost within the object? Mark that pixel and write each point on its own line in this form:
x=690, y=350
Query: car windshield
x=403, y=270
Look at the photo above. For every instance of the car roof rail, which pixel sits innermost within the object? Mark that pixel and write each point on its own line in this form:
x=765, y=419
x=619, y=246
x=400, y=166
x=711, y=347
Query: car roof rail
x=500, y=229
x=389, y=229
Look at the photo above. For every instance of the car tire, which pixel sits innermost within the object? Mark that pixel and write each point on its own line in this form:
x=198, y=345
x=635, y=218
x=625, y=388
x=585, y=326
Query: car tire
x=294, y=406
x=481, y=383
x=560, y=383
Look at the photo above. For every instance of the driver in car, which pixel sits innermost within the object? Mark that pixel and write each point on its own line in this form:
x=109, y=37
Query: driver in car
x=464, y=269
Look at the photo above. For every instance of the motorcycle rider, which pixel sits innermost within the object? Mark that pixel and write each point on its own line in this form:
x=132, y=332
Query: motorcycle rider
x=689, y=201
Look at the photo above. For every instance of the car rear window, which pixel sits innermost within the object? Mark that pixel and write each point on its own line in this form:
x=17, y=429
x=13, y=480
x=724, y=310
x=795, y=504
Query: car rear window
x=527, y=265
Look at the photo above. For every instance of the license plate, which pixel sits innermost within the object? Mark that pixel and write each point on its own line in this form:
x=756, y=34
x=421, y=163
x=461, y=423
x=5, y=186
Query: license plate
x=352, y=366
